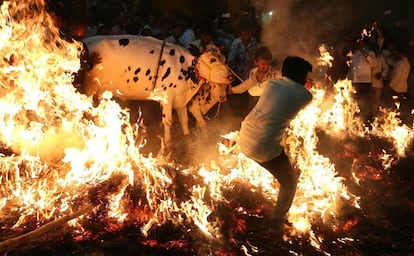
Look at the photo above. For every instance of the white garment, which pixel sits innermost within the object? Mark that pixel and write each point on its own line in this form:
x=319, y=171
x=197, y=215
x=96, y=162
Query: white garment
x=262, y=130
x=360, y=69
x=399, y=76
x=381, y=68
x=389, y=57
x=252, y=85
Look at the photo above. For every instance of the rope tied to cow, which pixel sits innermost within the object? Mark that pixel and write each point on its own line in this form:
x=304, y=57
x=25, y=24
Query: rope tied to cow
x=208, y=67
x=235, y=74
x=158, y=66
x=203, y=69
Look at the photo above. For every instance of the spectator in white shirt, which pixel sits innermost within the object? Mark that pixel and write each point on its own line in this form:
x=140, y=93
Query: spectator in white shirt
x=399, y=76
x=379, y=72
x=360, y=72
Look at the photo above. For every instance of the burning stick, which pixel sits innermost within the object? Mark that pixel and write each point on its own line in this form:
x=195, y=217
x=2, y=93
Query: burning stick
x=17, y=241
x=97, y=197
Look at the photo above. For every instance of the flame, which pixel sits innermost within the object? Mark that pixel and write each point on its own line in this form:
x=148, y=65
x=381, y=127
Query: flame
x=325, y=58
x=62, y=151
x=320, y=189
x=60, y=144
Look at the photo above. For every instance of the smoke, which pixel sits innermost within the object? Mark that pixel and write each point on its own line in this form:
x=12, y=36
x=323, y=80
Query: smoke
x=299, y=27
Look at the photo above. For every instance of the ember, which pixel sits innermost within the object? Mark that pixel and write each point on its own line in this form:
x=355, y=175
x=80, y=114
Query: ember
x=74, y=180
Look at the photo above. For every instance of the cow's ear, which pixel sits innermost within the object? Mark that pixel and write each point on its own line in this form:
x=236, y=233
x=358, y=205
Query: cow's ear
x=194, y=50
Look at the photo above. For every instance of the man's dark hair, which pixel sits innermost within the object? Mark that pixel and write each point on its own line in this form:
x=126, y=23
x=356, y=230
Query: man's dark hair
x=296, y=69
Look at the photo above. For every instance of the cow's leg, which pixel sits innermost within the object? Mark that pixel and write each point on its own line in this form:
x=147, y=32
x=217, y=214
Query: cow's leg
x=198, y=115
x=183, y=118
x=167, y=123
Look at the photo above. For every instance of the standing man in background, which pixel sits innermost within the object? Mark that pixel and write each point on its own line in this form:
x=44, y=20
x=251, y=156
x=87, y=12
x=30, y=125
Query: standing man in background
x=242, y=52
x=363, y=60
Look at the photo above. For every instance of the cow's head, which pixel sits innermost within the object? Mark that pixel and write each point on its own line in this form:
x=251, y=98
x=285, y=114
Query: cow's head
x=211, y=67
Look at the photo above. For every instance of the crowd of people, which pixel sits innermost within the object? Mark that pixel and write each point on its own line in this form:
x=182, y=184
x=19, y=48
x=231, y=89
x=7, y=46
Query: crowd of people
x=236, y=36
x=382, y=55
x=378, y=61
x=380, y=68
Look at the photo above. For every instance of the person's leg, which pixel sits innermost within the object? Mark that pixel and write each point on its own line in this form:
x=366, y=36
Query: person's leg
x=283, y=171
x=362, y=98
x=375, y=100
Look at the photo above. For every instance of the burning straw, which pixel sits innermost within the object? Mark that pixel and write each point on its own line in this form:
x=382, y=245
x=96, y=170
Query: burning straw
x=15, y=242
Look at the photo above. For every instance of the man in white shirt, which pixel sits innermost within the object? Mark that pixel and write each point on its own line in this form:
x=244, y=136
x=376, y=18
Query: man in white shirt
x=398, y=84
x=360, y=72
x=379, y=72
x=399, y=75
x=262, y=130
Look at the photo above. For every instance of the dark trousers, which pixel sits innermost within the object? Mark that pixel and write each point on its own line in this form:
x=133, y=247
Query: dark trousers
x=283, y=171
x=362, y=97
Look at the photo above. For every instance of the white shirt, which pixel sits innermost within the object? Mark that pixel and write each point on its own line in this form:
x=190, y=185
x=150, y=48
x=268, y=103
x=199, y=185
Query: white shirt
x=399, y=76
x=262, y=130
x=382, y=68
x=360, y=69
x=252, y=85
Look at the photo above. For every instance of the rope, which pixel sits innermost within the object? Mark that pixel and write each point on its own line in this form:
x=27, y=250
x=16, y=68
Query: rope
x=197, y=70
x=235, y=74
x=218, y=109
x=158, y=66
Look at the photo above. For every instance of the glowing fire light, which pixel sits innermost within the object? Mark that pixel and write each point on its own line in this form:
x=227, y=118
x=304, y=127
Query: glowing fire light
x=325, y=59
x=62, y=146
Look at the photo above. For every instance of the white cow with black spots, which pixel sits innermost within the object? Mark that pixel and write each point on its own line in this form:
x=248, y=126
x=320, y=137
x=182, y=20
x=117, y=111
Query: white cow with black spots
x=145, y=68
